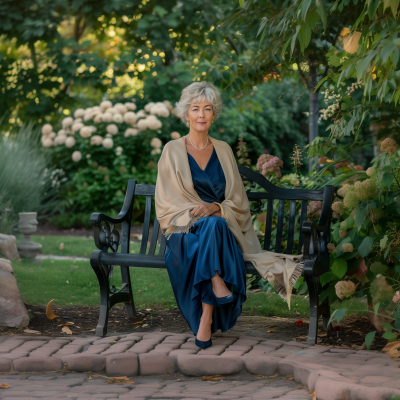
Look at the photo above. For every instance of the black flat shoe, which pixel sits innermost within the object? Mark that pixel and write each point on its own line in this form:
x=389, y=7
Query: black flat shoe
x=203, y=345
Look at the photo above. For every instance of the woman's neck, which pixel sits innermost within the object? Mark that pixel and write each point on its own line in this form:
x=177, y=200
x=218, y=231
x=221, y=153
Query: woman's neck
x=198, y=139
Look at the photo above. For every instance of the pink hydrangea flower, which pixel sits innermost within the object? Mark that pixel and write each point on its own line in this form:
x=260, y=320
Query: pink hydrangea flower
x=269, y=165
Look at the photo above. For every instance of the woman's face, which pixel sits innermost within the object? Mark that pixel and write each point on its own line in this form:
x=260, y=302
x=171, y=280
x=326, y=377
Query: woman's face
x=200, y=116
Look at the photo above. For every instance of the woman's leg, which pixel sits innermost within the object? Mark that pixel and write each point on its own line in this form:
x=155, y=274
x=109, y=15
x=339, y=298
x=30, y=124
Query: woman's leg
x=219, y=286
x=204, y=332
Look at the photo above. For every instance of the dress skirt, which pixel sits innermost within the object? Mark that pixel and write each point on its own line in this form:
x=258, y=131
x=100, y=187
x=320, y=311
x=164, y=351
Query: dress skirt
x=192, y=258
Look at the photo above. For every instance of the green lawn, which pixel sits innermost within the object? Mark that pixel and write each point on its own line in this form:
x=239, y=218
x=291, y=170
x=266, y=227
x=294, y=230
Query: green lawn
x=74, y=282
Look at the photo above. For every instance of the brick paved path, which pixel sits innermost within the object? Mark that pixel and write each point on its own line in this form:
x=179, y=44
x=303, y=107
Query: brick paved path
x=334, y=374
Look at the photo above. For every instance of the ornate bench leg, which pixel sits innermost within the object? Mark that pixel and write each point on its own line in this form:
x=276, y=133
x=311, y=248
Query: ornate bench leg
x=326, y=315
x=312, y=284
x=101, y=329
x=129, y=307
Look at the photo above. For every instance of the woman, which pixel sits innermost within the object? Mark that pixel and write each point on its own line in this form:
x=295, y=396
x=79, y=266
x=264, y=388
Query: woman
x=204, y=213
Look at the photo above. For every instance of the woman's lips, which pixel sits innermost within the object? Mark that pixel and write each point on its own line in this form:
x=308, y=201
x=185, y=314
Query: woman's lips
x=201, y=123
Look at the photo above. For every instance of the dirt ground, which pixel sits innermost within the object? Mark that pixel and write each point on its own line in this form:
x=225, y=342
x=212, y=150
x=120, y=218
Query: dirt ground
x=82, y=320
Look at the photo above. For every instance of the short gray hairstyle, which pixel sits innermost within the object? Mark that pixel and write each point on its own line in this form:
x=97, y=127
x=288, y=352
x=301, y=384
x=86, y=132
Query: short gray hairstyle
x=197, y=92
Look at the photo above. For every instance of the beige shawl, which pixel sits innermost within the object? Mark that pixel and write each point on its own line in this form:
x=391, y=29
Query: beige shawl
x=175, y=197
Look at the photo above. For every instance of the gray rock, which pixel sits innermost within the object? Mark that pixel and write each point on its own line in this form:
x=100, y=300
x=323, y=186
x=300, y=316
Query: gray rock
x=8, y=246
x=5, y=265
x=12, y=309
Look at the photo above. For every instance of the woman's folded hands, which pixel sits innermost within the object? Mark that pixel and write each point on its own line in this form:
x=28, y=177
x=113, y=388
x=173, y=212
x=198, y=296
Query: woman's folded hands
x=206, y=210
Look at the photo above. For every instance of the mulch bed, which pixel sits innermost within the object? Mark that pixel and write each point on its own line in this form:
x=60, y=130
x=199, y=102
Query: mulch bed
x=351, y=334
x=85, y=320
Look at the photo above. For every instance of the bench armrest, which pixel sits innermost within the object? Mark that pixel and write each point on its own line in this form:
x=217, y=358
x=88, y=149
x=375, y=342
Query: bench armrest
x=106, y=237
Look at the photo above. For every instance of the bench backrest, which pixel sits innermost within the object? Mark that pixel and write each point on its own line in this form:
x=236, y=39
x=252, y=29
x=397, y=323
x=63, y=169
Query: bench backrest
x=270, y=194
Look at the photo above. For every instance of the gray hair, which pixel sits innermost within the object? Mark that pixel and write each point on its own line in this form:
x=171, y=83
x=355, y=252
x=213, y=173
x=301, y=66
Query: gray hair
x=197, y=92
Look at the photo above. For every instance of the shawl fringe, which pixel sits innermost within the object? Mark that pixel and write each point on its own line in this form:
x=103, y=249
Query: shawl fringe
x=284, y=292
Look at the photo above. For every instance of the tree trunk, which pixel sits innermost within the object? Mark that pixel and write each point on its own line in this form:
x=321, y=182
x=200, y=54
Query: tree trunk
x=313, y=108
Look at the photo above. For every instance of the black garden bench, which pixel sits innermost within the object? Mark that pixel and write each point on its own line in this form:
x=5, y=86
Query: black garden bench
x=314, y=237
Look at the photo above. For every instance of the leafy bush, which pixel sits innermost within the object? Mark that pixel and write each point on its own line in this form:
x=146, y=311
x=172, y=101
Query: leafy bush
x=26, y=183
x=365, y=250
x=70, y=220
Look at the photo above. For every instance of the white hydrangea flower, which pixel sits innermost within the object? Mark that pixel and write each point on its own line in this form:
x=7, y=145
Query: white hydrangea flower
x=105, y=104
x=80, y=112
x=108, y=143
x=156, y=142
x=76, y=127
x=119, y=149
x=155, y=151
x=107, y=117
x=77, y=120
x=76, y=156
x=88, y=156
x=121, y=108
x=47, y=142
x=153, y=123
x=96, y=140
x=141, y=114
x=109, y=135
x=148, y=106
x=175, y=135
x=112, y=128
x=85, y=131
x=131, y=132
x=66, y=122
x=130, y=106
x=70, y=141
x=52, y=135
x=60, y=139
x=130, y=117
x=92, y=128
x=159, y=109
x=47, y=129
x=142, y=124
x=168, y=104
x=118, y=118
x=98, y=118
x=88, y=116
x=62, y=132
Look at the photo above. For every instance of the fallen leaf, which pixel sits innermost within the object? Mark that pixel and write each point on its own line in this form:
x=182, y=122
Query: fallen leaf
x=289, y=376
x=212, y=378
x=271, y=331
x=314, y=397
x=79, y=327
x=390, y=346
x=273, y=376
x=92, y=330
x=151, y=284
x=30, y=331
x=139, y=322
x=148, y=309
x=84, y=307
x=49, y=310
x=129, y=383
x=322, y=334
x=61, y=246
x=67, y=281
x=67, y=330
x=145, y=325
x=4, y=385
x=140, y=292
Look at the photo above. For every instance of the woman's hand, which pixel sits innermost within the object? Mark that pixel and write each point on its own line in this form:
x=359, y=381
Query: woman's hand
x=206, y=210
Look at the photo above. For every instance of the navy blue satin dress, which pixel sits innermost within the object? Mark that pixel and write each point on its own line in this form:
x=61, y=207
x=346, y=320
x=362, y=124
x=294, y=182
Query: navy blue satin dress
x=210, y=246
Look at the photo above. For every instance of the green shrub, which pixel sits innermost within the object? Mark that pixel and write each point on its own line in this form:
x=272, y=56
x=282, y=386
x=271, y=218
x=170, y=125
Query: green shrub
x=26, y=183
x=70, y=220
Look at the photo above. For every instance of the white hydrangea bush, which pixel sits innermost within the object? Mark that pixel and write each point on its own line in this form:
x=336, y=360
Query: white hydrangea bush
x=111, y=125
x=101, y=147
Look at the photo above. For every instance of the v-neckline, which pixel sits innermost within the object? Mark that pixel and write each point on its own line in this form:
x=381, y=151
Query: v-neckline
x=203, y=170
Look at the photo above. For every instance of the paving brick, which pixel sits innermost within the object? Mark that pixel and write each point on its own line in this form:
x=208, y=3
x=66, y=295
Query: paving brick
x=266, y=366
x=329, y=389
x=122, y=365
x=37, y=364
x=286, y=367
x=178, y=352
x=5, y=364
x=209, y=365
x=84, y=362
x=229, y=353
x=154, y=364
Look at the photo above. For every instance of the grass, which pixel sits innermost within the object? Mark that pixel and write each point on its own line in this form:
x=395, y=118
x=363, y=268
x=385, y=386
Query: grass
x=74, y=283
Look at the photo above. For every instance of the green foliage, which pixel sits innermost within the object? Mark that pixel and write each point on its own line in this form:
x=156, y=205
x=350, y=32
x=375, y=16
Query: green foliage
x=27, y=184
x=70, y=220
x=8, y=220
